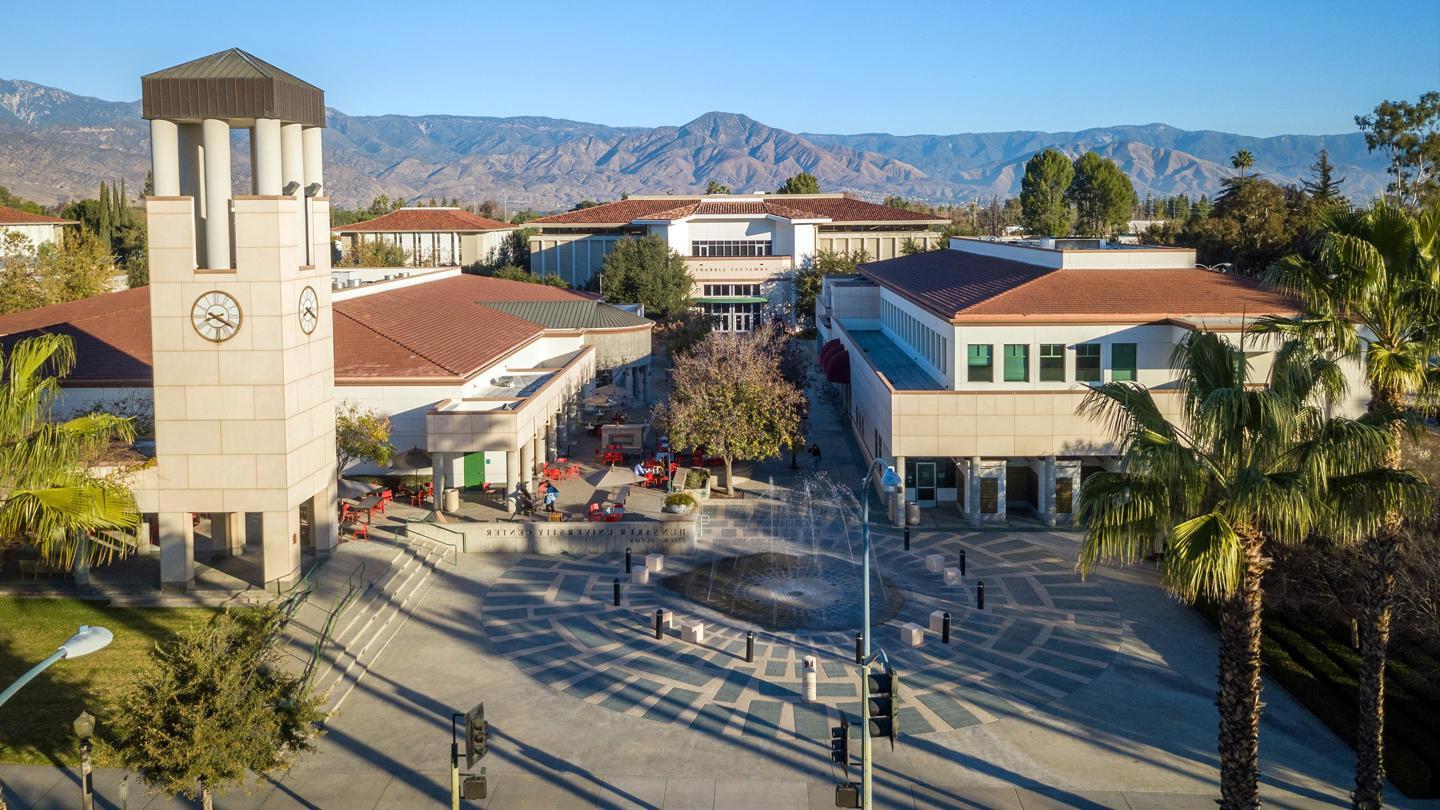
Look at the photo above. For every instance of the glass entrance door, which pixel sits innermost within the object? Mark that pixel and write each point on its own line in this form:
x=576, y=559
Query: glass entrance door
x=925, y=483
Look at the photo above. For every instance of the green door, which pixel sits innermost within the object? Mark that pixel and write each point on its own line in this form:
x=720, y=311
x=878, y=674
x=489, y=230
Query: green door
x=474, y=470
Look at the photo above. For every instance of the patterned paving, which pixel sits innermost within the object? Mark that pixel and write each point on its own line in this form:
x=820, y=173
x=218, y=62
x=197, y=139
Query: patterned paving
x=1042, y=634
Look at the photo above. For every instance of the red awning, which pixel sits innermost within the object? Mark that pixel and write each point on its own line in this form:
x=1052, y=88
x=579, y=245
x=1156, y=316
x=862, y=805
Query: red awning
x=828, y=349
x=837, y=368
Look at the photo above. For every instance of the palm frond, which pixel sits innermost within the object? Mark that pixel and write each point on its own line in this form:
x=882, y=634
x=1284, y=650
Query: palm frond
x=1204, y=558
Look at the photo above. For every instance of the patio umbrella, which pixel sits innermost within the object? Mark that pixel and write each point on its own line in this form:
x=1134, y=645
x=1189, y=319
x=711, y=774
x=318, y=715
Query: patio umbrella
x=611, y=478
x=412, y=461
x=598, y=401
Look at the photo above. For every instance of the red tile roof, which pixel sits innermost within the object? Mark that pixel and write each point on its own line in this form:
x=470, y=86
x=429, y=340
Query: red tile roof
x=439, y=330
x=411, y=220
x=963, y=286
x=837, y=209
x=14, y=216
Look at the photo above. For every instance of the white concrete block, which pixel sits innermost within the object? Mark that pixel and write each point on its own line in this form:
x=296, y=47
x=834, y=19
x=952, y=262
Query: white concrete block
x=934, y=563
x=937, y=621
x=640, y=575
x=912, y=634
x=952, y=576
x=694, y=633
x=655, y=562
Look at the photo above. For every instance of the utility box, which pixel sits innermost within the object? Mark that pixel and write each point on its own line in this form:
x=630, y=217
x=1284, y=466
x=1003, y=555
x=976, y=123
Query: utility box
x=847, y=795
x=474, y=787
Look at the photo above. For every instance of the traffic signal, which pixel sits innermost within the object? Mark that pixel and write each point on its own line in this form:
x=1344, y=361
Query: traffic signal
x=884, y=705
x=477, y=735
x=840, y=744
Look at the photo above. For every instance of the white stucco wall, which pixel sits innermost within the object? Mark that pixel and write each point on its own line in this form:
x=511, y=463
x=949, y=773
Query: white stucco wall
x=38, y=234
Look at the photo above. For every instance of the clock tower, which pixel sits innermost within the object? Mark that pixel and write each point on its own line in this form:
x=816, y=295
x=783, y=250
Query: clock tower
x=241, y=329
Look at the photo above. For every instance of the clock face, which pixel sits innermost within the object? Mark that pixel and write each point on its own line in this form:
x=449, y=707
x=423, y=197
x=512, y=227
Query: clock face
x=309, y=310
x=216, y=316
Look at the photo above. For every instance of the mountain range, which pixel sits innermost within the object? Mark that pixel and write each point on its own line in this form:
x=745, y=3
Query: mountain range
x=56, y=145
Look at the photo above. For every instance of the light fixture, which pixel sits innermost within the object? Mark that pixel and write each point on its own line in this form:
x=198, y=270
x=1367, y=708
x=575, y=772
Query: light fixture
x=85, y=725
x=312, y=190
x=85, y=641
x=290, y=188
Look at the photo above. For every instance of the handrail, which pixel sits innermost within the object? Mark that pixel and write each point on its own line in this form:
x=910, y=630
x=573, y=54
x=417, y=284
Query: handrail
x=454, y=547
x=352, y=586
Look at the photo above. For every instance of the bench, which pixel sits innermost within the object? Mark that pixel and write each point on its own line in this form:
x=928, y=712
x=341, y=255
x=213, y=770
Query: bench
x=934, y=563
x=952, y=576
x=912, y=634
x=655, y=562
x=694, y=633
x=38, y=568
x=640, y=575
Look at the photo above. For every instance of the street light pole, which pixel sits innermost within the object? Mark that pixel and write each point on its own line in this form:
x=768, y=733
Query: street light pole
x=889, y=480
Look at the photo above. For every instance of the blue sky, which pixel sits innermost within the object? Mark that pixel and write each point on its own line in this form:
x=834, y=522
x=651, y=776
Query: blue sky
x=1259, y=68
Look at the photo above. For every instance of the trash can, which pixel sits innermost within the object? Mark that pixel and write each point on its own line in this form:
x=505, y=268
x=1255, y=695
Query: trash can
x=912, y=513
x=808, y=679
x=452, y=500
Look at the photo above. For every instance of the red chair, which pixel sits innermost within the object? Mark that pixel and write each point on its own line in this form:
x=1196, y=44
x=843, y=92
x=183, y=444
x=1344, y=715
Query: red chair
x=594, y=515
x=360, y=531
x=417, y=498
x=347, y=513
x=617, y=514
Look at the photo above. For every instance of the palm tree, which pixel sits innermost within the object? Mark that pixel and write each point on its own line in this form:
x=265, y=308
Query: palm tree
x=1242, y=161
x=49, y=497
x=1242, y=465
x=1372, y=294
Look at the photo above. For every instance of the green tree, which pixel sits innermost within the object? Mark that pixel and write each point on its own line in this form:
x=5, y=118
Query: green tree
x=1408, y=134
x=646, y=271
x=12, y=200
x=1251, y=226
x=729, y=395
x=1372, y=294
x=1241, y=161
x=361, y=434
x=810, y=277
x=214, y=706
x=1243, y=465
x=685, y=332
x=1044, y=208
x=373, y=253
x=1324, y=189
x=1102, y=195
x=512, y=272
x=714, y=187
x=802, y=183
x=78, y=267
x=894, y=201
x=49, y=497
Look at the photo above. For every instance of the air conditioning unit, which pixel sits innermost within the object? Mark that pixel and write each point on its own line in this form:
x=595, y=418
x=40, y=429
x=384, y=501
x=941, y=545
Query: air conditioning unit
x=503, y=382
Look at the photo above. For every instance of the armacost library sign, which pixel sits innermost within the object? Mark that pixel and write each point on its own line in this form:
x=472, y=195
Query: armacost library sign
x=527, y=537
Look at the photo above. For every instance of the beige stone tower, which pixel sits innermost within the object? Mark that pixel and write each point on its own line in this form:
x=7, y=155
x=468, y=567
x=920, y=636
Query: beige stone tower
x=240, y=316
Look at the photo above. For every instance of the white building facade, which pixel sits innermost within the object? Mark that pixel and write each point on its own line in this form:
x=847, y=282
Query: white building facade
x=741, y=250
x=430, y=236
x=36, y=229
x=966, y=366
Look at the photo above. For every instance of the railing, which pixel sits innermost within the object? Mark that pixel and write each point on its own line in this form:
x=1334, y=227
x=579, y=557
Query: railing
x=354, y=585
x=444, y=545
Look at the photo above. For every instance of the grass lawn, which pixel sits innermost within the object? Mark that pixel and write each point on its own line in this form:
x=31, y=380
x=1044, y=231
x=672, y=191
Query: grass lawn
x=35, y=724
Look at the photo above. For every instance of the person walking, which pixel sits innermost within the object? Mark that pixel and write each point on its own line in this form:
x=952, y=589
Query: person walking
x=552, y=494
x=815, y=456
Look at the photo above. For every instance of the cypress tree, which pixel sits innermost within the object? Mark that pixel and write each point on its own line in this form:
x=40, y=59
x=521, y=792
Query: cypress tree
x=1324, y=188
x=106, y=223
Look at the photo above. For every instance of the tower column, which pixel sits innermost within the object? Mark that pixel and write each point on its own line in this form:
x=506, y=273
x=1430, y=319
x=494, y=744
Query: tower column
x=165, y=157
x=265, y=146
x=216, y=135
x=311, y=155
x=192, y=182
x=227, y=533
x=527, y=464
x=177, y=551
x=281, y=555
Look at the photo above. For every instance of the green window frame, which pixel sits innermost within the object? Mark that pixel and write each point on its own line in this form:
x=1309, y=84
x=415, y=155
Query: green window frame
x=1122, y=362
x=981, y=362
x=1017, y=362
x=1052, y=362
x=1087, y=363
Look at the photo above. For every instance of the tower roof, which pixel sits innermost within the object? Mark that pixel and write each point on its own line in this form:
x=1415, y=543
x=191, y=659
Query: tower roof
x=231, y=85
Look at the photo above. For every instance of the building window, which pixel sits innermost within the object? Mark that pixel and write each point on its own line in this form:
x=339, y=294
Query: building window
x=715, y=290
x=1052, y=362
x=1122, y=362
x=730, y=247
x=1017, y=362
x=989, y=496
x=1087, y=362
x=733, y=317
x=981, y=363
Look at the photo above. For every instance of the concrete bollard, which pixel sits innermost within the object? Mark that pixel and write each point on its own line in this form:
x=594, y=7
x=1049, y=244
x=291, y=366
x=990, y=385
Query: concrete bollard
x=980, y=595
x=859, y=648
x=659, y=623
x=809, y=679
x=628, y=563
x=907, y=537
x=962, y=562
x=617, y=591
x=749, y=646
x=945, y=629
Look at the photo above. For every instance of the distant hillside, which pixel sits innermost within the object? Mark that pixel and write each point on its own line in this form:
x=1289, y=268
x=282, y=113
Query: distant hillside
x=56, y=145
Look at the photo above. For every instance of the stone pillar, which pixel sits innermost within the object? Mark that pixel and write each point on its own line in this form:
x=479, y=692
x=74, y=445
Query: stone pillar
x=177, y=552
x=265, y=146
x=144, y=542
x=541, y=455
x=550, y=451
x=325, y=519
x=512, y=472
x=311, y=155
x=440, y=476
x=527, y=465
x=216, y=135
x=292, y=171
x=972, y=487
x=165, y=158
x=227, y=533
x=281, y=554
x=192, y=180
